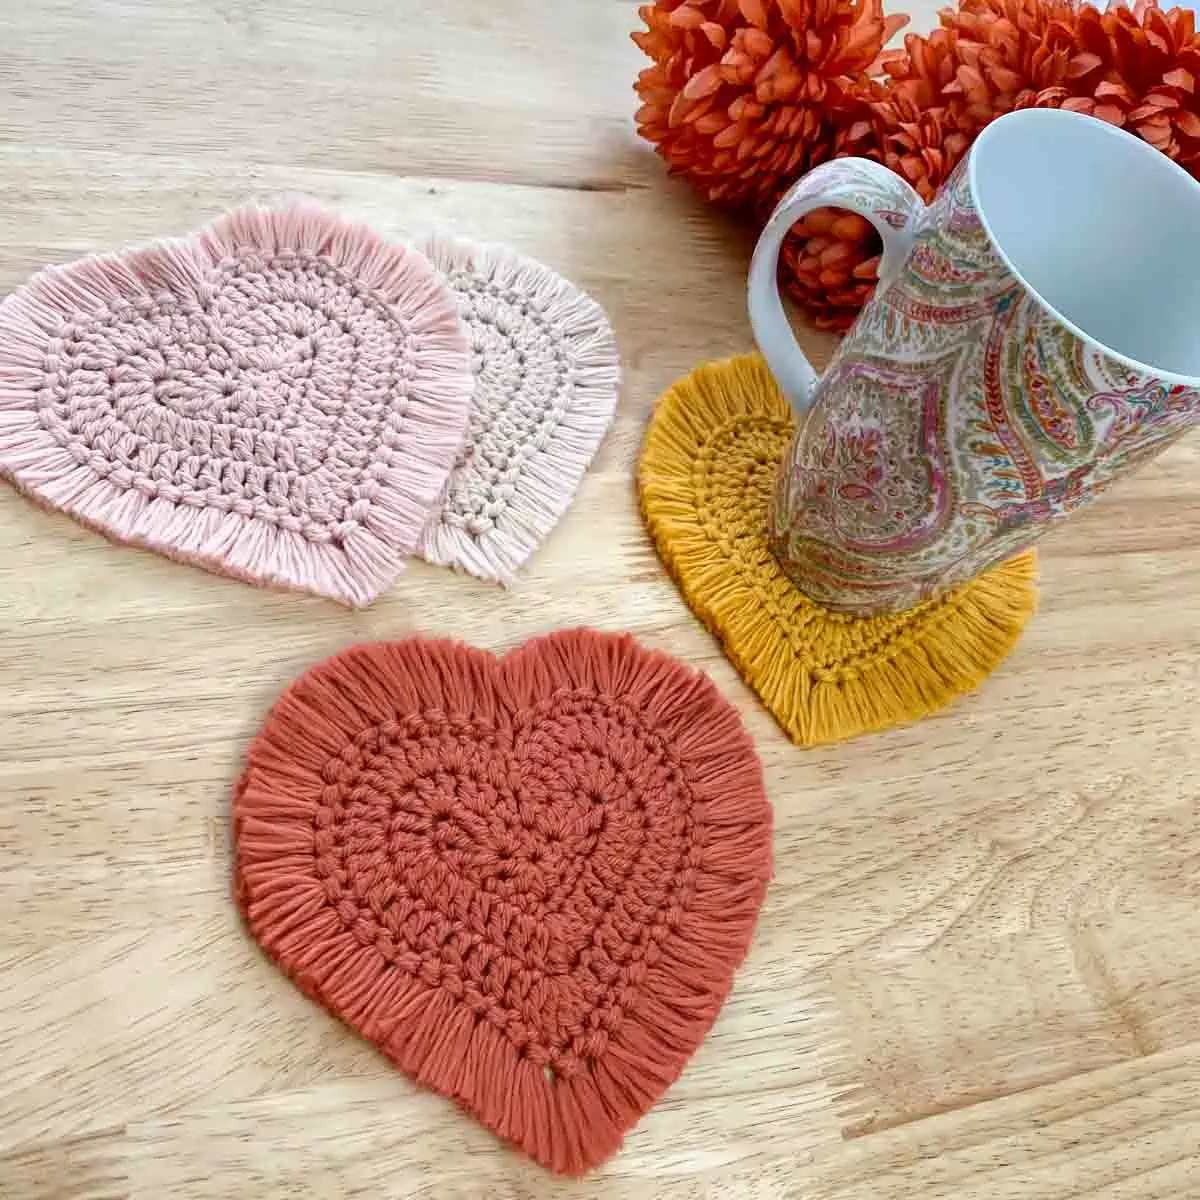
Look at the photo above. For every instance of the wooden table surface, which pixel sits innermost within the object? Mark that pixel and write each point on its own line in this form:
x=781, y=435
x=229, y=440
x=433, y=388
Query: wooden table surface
x=977, y=972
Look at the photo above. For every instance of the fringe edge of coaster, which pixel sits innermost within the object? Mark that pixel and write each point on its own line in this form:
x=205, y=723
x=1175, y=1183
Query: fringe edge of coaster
x=570, y=1123
x=951, y=655
x=233, y=543
x=551, y=477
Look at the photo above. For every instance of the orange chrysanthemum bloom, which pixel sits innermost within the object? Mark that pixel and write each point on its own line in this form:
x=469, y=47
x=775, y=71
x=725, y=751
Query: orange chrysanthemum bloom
x=988, y=57
x=744, y=96
x=829, y=263
x=830, y=257
x=1006, y=54
x=1139, y=68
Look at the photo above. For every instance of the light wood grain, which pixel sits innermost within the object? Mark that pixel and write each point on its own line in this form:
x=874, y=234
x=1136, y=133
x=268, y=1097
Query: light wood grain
x=977, y=973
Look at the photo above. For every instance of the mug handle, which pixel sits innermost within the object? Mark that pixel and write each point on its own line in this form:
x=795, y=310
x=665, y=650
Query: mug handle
x=860, y=185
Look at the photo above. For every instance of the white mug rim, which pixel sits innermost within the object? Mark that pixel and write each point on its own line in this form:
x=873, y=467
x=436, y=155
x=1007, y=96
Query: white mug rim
x=1038, y=116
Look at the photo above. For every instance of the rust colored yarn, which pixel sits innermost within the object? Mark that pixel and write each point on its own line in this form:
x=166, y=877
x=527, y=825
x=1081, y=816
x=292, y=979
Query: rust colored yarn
x=527, y=880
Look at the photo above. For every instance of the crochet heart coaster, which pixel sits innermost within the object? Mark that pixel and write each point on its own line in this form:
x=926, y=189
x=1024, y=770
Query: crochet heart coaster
x=527, y=880
x=546, y=381
x=706, y=476
x=278, y=397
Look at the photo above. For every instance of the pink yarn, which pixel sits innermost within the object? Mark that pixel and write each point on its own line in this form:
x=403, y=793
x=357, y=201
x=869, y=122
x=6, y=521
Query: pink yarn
x=279, y=397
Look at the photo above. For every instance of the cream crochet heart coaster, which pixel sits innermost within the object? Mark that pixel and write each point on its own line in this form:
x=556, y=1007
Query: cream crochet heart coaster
x=279, y=397
x=546, y=381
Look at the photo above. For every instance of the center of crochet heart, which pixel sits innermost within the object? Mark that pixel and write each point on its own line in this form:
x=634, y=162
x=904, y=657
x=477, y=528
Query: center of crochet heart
x=537, y=874
x=277, y=390
x=528, y=880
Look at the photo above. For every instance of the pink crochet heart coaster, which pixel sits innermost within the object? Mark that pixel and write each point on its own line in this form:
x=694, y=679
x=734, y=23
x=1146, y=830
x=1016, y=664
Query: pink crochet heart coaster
x=279, y=396
x=527, y=880
x=546, y=381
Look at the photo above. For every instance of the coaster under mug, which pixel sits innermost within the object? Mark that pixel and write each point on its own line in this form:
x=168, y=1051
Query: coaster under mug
x=706, y=477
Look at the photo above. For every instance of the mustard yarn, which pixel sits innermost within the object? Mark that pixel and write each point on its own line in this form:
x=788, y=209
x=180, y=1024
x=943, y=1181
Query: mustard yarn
x=706, y=475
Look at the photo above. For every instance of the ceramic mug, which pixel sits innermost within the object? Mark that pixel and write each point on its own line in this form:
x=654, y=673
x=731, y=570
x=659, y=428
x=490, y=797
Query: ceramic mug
x=1035, y=334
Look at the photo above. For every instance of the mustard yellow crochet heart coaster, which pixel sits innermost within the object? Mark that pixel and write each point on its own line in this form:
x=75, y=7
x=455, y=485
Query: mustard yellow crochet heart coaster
x=706, y=475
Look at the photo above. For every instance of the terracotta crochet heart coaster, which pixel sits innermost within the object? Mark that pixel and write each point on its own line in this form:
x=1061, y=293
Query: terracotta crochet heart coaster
x=527, y=880
x=546, y=382
x=706, y=476
x=278, y=397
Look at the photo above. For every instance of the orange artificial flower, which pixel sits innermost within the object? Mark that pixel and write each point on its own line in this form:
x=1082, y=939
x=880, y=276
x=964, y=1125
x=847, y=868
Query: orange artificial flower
x=830, y=257
x=744, y=96
x=1138, y=68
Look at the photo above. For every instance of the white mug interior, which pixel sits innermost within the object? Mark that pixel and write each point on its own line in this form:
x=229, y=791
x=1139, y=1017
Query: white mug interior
x=1100, y=227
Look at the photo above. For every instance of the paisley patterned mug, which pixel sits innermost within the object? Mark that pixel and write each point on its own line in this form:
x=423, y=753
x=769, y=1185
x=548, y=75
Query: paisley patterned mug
x=1035, y=334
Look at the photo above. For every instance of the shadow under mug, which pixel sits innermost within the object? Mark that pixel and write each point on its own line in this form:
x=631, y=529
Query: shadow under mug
x=1035, y=335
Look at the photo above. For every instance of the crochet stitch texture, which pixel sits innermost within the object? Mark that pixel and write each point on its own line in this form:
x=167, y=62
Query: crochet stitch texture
x=279, y=397
x=708, y=468
x=527, y=880
x=546, y=380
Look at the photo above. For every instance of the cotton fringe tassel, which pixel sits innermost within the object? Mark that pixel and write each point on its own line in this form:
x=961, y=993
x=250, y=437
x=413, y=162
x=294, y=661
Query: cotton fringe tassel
x=230, y=542
x=553, y=466
x=568, y=1123
x=895, y=669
